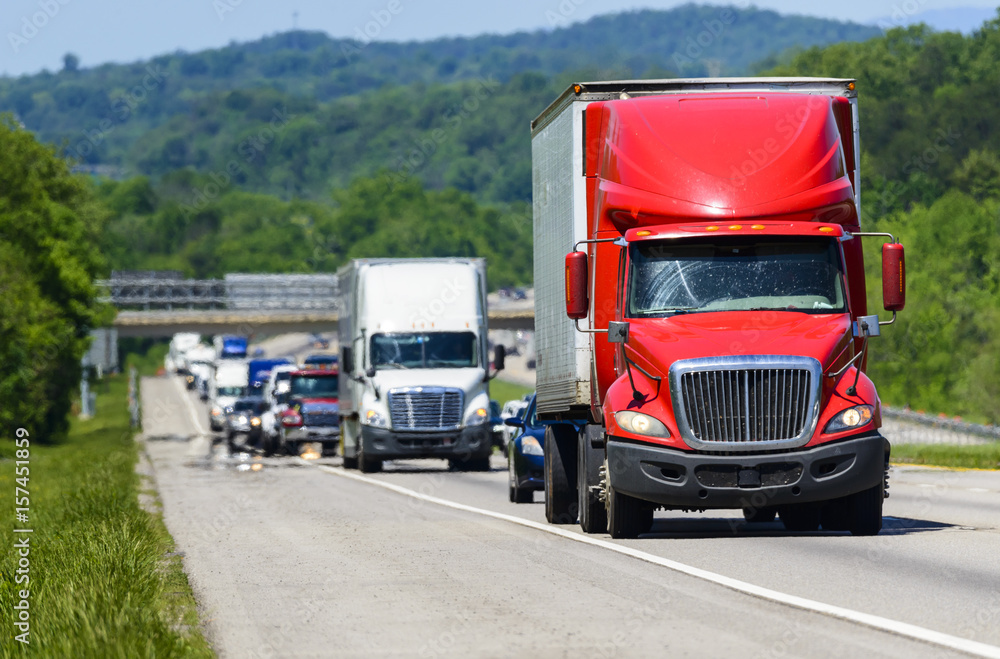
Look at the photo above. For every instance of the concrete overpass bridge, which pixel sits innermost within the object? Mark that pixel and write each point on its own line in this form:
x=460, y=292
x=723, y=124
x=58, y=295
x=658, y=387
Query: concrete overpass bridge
x=160, y=306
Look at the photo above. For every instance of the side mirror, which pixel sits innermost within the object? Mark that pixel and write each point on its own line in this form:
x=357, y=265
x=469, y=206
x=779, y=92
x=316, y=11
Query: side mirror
x=370, y=372
x=499, y=356
x=514, y=422
x=347, y=359
x=893, y=277
x=577, y=276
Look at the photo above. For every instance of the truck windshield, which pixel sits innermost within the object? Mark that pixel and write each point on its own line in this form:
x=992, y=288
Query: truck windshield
x=424, y=350
x=313, y=386
x=230, y=391
x=668, y=278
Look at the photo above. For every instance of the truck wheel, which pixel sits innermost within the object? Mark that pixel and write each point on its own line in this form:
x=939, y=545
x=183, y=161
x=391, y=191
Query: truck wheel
x=350, y=463
x=593, y=513
x=627, y=516
x=801, y=516
x=368, y=464
x=760, y=515
x=560, y=477
x=866, y=511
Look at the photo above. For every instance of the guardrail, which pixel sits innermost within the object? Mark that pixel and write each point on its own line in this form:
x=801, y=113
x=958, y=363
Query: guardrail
x=908, y=427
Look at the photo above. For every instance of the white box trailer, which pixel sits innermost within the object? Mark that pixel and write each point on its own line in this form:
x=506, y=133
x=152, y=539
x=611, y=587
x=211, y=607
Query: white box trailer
x=414, y=364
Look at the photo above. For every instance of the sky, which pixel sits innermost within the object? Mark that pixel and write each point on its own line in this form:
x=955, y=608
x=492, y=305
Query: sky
x=37, y=33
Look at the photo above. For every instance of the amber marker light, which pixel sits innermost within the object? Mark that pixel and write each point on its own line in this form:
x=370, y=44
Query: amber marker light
x=712, y=228
x=577, y=89
x=826, y=229
x=644, y=233
x=758, y=227
x=735, y=227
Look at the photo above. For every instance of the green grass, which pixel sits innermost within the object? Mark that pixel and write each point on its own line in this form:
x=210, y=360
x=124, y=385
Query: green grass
x=985, y=456
x=502, y=391
x=103, y=582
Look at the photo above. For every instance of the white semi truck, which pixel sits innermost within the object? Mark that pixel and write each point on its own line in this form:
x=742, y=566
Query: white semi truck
x=414, y=364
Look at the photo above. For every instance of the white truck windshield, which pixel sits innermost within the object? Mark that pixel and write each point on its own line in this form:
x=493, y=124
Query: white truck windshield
x=668, y=278
x=424, y=350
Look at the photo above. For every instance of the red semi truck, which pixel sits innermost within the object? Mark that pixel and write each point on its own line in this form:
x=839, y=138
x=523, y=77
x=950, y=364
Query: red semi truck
x=709, y=322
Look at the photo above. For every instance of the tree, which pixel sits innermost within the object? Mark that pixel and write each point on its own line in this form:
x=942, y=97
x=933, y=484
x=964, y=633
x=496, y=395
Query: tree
x=71, y=63
x=49, y=224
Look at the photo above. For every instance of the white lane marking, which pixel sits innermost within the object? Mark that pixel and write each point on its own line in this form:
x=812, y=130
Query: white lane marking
x=876, y=622
x=190, y=406
x=977, y=489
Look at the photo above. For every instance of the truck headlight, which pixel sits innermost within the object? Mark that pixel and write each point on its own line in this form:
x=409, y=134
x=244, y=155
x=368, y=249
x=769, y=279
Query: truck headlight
x=478, y=417
x=641, y=424
x=255, y=421
x=530, y=446
x=376, y=420
x=852, y=417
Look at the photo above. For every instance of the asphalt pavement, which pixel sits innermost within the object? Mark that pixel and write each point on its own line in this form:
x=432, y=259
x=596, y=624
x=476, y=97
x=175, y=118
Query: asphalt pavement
x=298, y=558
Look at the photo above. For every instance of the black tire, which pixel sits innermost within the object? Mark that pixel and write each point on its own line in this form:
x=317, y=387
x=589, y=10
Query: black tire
x=270, y=444
x=517, y=494
x=593, y=512
x=837, y=515
x=350, y=463
x=560, y=476
x=368, y=464
x=760, y=515
x=477, y=464
x=801, y=517
x=866, y=511
x=627, y=516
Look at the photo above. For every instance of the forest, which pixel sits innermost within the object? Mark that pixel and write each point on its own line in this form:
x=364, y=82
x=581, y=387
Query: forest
x=264, y=165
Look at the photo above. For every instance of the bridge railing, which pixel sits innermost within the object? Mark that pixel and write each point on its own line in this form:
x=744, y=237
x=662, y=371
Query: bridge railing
x=242, y=292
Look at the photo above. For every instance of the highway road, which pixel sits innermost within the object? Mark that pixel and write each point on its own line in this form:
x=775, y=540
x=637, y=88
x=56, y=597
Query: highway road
x=299, y=558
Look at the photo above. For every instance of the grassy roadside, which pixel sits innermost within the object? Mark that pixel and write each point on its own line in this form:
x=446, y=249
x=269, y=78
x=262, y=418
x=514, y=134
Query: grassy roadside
x=502, y=391
x=103, y=578
x=985, y=456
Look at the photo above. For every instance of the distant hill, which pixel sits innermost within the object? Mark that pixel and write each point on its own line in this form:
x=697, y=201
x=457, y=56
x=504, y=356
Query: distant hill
x=154, y=116
x=956, y=19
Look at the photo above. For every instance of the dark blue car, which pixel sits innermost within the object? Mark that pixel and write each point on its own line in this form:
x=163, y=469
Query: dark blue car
x=526, y=455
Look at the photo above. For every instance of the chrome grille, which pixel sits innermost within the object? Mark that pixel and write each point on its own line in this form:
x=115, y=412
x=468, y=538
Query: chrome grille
x=317, y=419
x=746, y=403
x=425, y=408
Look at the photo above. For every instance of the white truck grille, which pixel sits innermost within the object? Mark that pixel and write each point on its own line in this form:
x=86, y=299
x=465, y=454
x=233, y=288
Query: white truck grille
x=425, y=408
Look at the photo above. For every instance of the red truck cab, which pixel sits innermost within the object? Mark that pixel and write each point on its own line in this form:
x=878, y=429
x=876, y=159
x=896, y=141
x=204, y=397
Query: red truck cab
x=722, y=298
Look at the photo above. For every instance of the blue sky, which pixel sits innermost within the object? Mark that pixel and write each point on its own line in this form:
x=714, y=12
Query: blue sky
x=37, y=33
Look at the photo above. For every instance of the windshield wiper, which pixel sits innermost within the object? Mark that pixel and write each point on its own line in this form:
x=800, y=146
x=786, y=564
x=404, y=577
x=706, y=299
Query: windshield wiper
x=675, y=310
